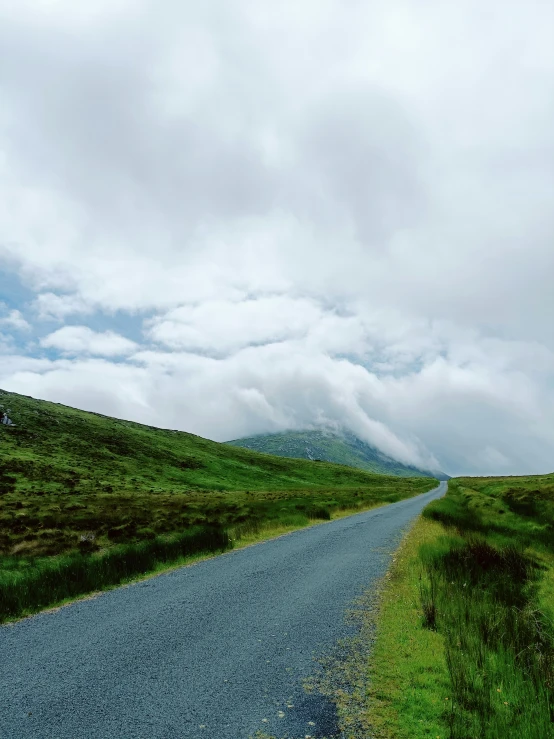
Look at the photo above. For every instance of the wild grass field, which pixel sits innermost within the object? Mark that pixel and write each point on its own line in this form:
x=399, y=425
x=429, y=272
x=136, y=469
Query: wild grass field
x=87, y=501
x=465, y=632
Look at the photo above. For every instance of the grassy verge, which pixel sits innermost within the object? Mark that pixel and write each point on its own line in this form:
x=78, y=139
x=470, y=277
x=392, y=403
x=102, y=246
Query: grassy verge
x=27, y=586
x=408, y=683
x=465, y=634
x=256, y=531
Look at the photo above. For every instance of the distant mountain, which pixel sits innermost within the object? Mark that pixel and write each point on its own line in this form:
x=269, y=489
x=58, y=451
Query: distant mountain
x=341, y=447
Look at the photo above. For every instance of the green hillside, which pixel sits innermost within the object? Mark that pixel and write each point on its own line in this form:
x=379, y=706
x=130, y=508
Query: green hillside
x=55, y=447
x=338, y=447
x=71, y=479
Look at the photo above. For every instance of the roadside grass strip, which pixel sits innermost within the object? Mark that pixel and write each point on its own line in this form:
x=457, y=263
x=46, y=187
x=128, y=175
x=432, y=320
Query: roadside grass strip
x=29, y=586
x=465, y=630
x=409, y=693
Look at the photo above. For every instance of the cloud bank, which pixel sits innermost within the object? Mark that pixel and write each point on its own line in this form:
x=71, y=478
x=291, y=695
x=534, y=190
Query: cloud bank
x=233, y=219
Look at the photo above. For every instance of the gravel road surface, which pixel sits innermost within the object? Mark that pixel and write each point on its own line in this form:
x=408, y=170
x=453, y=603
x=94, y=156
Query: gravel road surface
x=217, y=650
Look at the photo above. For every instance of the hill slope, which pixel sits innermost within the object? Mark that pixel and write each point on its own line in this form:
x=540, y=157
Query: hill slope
x=69, y=478
x=337, y=447
x=61, y=448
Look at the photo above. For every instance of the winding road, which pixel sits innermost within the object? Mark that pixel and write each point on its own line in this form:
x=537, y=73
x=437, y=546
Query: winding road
x=217, y=650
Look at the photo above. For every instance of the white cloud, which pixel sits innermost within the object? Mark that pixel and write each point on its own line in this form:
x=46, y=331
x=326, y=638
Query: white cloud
x=82, y=340
x=15, y=320
x=225, y=326
x=58, y=307
x=328, y=212
x=449, y=411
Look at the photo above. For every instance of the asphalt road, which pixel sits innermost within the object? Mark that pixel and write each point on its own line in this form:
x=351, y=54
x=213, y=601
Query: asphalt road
x=213, y=651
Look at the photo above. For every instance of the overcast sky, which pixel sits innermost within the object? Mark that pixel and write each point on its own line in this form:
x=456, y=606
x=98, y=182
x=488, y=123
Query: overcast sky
x=234, y=217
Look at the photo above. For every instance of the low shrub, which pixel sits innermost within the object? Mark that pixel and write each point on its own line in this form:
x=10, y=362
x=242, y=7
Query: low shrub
x=318, y=513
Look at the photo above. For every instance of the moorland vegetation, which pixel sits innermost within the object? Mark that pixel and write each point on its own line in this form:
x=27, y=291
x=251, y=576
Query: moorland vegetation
x=88, y=501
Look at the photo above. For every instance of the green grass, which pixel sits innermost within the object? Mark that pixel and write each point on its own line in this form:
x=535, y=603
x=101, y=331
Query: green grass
x=408, y=686
x=29, y=586
x=76, y=487
x=57, y=448
x=465, y=634
x=340, y=447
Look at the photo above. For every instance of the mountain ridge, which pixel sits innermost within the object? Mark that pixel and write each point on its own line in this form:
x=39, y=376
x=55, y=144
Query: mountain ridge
x=338, y=447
